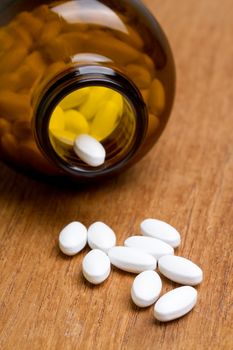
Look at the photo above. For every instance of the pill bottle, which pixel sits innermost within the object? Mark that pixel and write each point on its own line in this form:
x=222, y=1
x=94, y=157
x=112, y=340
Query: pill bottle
x=97, y=67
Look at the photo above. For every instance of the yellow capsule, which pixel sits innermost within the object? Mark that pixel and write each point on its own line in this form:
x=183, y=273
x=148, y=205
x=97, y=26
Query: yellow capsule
x=75, y=27
x=57, y=120
x=109, y=95
x=26, y=78
x=117, y=98
x=44, y=14
x=36, y=62
x=20, y=34
x=105, y=121
x=10, y=60
x=147, y=62
x=139, y=75
x=22, y=130
x=145, y=95
x=132, y=37
x=31, y=23
x=64, y=136
x=135, y=38
x=75, y=122
x=74, y=41
x=10, y=81
x=6, y=40
x=113, y=48
x=5, y=127
x=15, y=106
x=95, y=99
x=32, y=69
x=9, y=145
x=157, y=97
x=75, y=99
x=153, y=124
x=55, y=68
x=50, y=31
x=41, y=12
x=56, y=50
x=65, y=46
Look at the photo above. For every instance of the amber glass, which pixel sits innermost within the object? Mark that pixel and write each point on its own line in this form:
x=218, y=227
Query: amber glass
x=49, y=50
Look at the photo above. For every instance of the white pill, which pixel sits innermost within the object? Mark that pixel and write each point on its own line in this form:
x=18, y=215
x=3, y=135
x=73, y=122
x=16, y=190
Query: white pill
x=96, y=266
x=150, y=245
x=73, y=238
x=175, y=303
x=180, y=270
x=131, y=260
x=89, y=150
x=100, y=236
x=161, y=230
x=146, y=288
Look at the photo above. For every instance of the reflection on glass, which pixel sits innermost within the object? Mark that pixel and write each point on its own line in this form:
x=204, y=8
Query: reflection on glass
x=89, y=58
x=90, y=12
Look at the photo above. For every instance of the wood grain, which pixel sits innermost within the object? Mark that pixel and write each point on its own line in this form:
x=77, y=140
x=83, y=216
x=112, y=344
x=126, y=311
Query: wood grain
x=187, y=180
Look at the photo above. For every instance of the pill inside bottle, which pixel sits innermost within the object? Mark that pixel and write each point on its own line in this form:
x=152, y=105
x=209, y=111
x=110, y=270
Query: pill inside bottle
x=100, y=112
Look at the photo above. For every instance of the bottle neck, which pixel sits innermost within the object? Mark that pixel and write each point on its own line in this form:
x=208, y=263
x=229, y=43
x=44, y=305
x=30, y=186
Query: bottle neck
x=123, y=142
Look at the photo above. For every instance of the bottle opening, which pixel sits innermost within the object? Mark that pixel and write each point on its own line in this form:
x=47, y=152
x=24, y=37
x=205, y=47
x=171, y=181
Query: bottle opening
x=98, y=111
x=96, y=101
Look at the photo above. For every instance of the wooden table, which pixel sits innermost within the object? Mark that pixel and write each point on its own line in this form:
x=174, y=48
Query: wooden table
x=187, y=180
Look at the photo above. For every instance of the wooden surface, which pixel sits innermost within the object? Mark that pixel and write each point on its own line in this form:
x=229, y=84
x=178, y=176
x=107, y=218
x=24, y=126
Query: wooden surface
x=187, y=180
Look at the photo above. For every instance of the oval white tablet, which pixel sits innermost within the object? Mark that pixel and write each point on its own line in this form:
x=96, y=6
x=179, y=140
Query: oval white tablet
x=175, y=303
x=180, y=270
x=96, y=266
x=73, y=238
x=131, y=260
x=161, y=230
x=146, y=288
x=89, y=150
x=101, y=236
x=153, y=246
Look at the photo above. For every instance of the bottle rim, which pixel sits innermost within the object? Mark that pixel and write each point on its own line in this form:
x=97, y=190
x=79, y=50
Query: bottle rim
x=81, y=77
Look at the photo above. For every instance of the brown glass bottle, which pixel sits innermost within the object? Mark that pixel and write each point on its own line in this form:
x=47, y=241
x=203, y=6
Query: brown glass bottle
x=109, y=56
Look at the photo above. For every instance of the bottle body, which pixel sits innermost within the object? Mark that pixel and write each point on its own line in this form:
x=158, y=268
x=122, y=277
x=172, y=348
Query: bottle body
x=104, y=68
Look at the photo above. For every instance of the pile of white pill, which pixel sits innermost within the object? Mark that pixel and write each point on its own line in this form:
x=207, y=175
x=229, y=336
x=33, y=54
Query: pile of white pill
x=140, y=255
